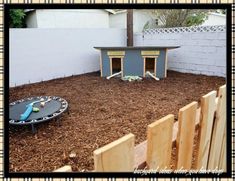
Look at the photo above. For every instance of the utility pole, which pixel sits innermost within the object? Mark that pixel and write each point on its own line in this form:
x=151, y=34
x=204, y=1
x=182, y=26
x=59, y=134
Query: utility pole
x=130, y=27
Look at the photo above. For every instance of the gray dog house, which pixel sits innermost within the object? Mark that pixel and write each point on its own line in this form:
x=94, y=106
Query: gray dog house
x=134, y=61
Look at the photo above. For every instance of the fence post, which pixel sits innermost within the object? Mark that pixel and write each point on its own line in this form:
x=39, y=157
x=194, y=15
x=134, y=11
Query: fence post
x=159, y=143
x=117, y=156
x=208, y=107
x=218, y=130
x=185, y=136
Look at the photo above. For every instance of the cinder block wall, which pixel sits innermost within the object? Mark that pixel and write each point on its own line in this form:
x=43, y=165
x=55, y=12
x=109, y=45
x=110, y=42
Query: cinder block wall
x=200, y=52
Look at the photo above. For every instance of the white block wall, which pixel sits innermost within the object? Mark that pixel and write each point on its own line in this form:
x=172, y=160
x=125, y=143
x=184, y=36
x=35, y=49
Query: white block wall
x=44, y=54
x=200, y=52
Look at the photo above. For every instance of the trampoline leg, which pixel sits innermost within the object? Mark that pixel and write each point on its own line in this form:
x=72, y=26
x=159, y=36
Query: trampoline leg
x=33, y=129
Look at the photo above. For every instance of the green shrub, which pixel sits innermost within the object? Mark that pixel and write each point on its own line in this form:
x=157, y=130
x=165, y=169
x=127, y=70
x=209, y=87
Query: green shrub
x=17, y=18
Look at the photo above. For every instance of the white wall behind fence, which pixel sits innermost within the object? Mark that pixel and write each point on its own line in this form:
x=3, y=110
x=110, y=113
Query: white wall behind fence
x=200, y=52
x=44, y=54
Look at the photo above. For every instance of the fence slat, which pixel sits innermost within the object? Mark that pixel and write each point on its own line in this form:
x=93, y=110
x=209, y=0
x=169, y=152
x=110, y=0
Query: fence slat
x=223, y=155
x=140, y=155
x=208, y=106
x=159, y=143
x=66, y=168
x=218, y=129
x=140, y=149
x=117, y=156
x=185, y=136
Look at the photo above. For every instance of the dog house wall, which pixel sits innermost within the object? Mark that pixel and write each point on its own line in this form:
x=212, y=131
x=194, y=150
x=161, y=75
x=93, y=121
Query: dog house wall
x=133, y=63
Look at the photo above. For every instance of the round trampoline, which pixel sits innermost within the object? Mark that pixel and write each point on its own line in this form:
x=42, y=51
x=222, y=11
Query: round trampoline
x=53, y=107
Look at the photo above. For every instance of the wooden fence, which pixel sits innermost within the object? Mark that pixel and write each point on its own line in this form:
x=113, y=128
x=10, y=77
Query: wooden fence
x=208, y=118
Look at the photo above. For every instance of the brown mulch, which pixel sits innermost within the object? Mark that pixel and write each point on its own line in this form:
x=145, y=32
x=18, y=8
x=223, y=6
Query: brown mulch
x=101, y=111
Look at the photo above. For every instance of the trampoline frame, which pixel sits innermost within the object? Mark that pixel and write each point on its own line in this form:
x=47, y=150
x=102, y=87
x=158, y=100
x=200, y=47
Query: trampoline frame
x=55, y=115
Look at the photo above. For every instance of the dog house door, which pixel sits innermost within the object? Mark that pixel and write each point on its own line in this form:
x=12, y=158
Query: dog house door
x=116, y=65
x=150, y=65
x=150, y=62
x=116, y=61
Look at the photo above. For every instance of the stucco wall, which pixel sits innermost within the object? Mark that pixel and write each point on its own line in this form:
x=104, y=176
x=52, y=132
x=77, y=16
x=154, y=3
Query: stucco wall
x=31, y=20
x=43, y=54
x=62, y=18
x=117, y=20
x=140, y=18
x=200, y=52
x=215, y=19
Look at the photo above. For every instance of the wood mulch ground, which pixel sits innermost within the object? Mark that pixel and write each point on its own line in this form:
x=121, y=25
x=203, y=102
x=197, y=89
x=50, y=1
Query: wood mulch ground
x=101, y=111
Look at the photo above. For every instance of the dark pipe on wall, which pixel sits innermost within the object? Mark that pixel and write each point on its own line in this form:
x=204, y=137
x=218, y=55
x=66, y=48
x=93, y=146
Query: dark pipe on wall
x=130, y=27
